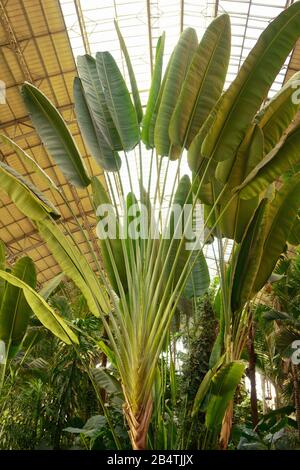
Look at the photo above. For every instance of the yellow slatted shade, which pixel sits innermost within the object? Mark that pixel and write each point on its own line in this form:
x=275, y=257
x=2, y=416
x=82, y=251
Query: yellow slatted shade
x=35, y=46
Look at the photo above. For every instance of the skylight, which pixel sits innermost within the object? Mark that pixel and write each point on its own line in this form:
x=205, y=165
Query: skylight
x=248, y=20
x=90, y=26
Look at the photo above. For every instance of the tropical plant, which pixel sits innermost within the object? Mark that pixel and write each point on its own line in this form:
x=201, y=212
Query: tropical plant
x=15, y=310
x=51, y=385
x=239, y=154
x=236, y=151
x=275, y=431
x=285, y=314
x=198, y=338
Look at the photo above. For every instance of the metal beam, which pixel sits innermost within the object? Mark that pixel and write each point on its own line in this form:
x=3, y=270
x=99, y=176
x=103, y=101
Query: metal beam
x=15, y=251
x=38, y=36
x=150, y=35
x=297, y=46
x=86, y=224
x=35, y=232
x=181, y=15
x=245, y=33
x=82, y=26
x=216, y=8
x=26, y=118
x=13, y=41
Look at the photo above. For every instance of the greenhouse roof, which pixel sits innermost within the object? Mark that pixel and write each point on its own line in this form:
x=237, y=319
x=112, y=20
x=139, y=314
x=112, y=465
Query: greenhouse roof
x=39, y=43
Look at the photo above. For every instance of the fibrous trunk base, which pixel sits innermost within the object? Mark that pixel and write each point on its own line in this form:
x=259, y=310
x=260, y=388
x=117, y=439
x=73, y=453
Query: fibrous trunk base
x=226, y=427
x=138, y=425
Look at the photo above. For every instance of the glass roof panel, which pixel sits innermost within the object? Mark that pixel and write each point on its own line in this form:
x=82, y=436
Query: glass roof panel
x=248, y=20
x=90, y=26
x=142, y=22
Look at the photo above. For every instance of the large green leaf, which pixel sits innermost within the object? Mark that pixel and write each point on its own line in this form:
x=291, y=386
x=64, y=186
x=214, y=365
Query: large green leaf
x=42, y=310
x=91, y=429
x=271, y=315
x=205, y=386
x=109, y=353
x=264, y=241
x=27, y=198
x=203, y=84
x=202, y=391
x=205, y=191
x=118, y=100
x=236, y=216
x=248, y=259
x=278, y=113
x=55, y=135
x=132, y=211
x=277, y=162
x=15, y=311
x=51, y=286
x=282, y=212
x=183, y=195
x=94, y=138
x=154, y=90
x=197, y=162
x=294, y=236
x=224, y=385
x=111, y=248
x=29, y=163
x=75, y=266
x=179, y=64
x=134, y=87
x=153, y=117
x=249, y=154
x=238, y=213
x=284, y=340
x=95, y=99
x=249, y=89
x=107, y=381
x=199, y=279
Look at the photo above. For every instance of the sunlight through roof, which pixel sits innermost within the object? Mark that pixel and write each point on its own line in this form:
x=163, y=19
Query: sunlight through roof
x=90, y=27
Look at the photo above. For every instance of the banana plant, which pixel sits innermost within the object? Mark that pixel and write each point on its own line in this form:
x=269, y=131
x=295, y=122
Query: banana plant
x=18, y=298
x=245, y=162
x=235, y=151
x=15, y=311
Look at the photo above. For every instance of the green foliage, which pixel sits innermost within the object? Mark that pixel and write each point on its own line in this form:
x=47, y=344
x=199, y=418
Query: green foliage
x=15, y=310
x=51, y=386
x=136, y=294
x=275, y=431
x=199, y=342
x=55, y=135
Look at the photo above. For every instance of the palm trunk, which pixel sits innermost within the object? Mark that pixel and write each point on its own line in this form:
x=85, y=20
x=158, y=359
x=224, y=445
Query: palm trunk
x=263, y=392
x=138, y=423
x=278, y=403
x=103, y=362
x=251, y=375
x=226, y=427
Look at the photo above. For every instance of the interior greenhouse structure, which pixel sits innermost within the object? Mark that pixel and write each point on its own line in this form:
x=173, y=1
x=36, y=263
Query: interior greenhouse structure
x=150, y=225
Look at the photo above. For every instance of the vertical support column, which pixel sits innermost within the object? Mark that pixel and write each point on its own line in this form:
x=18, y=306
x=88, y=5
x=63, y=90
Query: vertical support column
x=181, y=15
x=150, y=34
x=82, y=26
